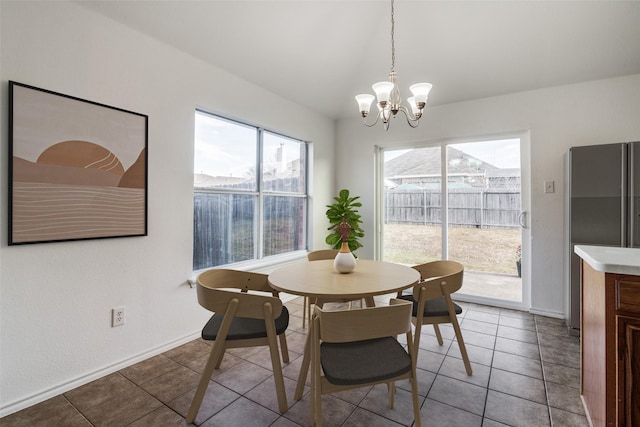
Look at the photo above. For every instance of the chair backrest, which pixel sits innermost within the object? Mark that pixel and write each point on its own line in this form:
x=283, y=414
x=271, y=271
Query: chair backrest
x=322, y=254
x=217, y=288
x=364, y=324
x=435, y=275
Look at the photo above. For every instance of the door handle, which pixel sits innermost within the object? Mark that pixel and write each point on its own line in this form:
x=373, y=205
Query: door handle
x=522, y=219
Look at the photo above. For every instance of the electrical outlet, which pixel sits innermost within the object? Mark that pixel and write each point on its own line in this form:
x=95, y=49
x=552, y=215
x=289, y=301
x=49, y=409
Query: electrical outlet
x=117, y=316
x=549, y=187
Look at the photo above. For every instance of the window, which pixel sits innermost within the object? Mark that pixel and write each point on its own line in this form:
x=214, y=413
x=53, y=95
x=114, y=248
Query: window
x=250, y=192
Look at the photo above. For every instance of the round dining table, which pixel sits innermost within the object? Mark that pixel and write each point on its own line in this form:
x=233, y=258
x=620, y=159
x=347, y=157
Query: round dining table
x=318, y=279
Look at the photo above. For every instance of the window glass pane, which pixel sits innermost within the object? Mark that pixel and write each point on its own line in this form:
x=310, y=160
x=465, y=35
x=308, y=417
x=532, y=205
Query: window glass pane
x=225, y=154
x=484, y=213
x=284, y=224
x=412, y=206
x=223, y=228
x=283, y=164
x=230, y=208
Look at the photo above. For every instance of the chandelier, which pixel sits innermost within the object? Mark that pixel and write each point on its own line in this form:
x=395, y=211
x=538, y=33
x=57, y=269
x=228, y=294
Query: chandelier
x=388, y=94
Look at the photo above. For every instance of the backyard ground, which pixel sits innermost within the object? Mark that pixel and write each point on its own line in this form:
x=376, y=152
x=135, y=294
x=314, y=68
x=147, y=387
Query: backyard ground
x=490, y=250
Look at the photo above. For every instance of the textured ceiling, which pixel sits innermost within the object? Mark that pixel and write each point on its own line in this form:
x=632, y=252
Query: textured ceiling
x=322, y=53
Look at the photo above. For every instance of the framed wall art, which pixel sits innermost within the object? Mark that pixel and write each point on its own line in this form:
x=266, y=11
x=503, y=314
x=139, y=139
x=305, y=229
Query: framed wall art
x=77, y=168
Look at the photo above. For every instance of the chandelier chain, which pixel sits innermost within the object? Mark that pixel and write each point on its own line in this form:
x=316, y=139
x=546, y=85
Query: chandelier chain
x=388, y=94
x=393, y=42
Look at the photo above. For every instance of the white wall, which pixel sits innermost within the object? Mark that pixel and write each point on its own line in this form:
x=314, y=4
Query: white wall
x=599, y=112
x=56, y=299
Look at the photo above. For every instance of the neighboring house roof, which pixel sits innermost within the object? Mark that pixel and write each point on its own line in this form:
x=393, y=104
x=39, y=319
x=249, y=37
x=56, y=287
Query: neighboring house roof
x=503, y=173
x=426, y=161
x=201, y=180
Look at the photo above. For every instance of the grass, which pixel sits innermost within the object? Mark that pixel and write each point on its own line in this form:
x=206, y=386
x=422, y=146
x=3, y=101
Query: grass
x=489, y=250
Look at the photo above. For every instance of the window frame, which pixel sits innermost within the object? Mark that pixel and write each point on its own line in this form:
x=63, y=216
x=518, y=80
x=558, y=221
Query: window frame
x=260, y=193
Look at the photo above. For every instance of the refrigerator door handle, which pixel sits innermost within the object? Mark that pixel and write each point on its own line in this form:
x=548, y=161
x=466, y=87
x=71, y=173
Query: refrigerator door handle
x=522, y=219
x=624, y=237
x=633, y=208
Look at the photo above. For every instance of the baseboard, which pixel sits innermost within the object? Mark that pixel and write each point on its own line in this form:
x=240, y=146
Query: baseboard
x=41, y=396
x=512, y=305
x=506, y=304
x=547, y=313
x=586, y=410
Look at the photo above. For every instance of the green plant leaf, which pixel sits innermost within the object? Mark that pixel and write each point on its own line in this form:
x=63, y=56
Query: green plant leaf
x=344, y=210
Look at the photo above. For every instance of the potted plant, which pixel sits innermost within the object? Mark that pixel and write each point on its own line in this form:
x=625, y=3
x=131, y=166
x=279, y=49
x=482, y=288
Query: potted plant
x=519, y=260
x=345, y=222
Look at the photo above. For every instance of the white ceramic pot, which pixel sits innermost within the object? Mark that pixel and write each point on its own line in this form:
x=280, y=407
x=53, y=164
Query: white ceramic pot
x=344, y=262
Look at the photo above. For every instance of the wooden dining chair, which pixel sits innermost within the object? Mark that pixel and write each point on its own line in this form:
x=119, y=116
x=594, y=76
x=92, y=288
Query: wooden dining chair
x=315, y=256
x=358, y=348
x=243, y=318
x=432, y=303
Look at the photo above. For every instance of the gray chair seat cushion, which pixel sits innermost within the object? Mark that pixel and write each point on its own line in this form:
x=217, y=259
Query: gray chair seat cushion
x=244, y=328
x=432, y=308
x=363, y=361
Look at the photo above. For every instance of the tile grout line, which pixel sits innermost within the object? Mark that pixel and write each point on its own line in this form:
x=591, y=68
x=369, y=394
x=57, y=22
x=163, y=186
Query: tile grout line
x=544, y=376
x=493, y=355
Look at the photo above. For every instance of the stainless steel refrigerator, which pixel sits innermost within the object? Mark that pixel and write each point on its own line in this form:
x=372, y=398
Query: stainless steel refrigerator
x=602, y=207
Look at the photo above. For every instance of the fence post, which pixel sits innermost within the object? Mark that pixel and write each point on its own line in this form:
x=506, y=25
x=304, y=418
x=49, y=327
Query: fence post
x=424, y=207
x=481, y=208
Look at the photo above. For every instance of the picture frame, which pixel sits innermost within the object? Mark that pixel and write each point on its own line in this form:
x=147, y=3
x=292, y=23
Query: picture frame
x=77, y=168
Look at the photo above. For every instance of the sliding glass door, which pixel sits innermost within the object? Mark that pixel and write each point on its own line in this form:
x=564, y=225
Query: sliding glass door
x=474, y=216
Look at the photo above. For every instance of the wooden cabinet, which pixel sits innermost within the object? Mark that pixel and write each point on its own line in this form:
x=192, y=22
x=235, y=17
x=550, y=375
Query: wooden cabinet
x=629, y=371
x=610, y=347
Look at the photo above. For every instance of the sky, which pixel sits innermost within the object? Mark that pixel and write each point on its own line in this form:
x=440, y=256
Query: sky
x=504, y=153
x=232, y=159
x=229, y=149
x=237, y=157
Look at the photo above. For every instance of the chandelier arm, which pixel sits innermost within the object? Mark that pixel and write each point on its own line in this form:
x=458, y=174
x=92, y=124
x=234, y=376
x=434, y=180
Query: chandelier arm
x=364, y=120
x=411, y=119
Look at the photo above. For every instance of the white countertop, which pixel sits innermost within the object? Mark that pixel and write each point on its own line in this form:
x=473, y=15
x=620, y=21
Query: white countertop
x=610, y=259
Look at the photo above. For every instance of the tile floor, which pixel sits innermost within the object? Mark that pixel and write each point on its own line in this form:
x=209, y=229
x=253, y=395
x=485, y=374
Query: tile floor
x=525, y=373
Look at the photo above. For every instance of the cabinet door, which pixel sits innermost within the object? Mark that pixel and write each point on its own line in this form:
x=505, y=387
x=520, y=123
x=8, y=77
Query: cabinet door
x=629, y=371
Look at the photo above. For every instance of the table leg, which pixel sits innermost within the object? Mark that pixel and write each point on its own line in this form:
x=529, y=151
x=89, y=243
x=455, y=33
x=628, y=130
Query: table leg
x=369, y=301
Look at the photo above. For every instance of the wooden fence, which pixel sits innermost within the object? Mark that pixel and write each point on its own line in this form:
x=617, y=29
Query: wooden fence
x=467, y=207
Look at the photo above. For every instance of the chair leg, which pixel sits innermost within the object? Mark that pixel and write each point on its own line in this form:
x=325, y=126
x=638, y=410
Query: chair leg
x=391, y=389
x=278, y=378
x=204, y=381
x=315, y=401
x=413, y=352
x=220, y=357
x=309, y=302
x=312, y=406
x=304, y=368
x=416, y=337
x=284, y=349
x=416, y=404
x=463, y=349
x=305, y=308
x=438, y=334
x=316, y=407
